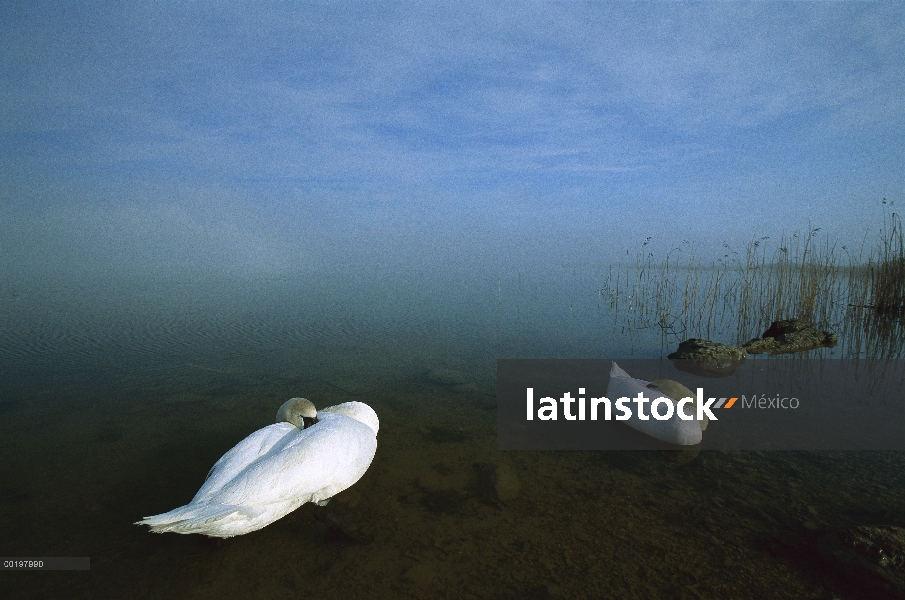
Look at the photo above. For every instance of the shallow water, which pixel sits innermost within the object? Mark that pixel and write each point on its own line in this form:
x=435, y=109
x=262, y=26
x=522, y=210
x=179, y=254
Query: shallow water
x=116, y=400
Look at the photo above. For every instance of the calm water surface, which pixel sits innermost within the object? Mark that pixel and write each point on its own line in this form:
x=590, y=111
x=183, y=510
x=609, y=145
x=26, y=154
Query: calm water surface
x=116, y=399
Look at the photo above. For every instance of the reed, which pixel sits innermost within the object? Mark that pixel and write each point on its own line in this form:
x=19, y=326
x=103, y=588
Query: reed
x=805, y=276
x=887, y=275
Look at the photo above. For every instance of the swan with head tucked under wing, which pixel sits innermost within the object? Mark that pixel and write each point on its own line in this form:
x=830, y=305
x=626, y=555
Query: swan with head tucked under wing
x=306, y=456
x=674, y=430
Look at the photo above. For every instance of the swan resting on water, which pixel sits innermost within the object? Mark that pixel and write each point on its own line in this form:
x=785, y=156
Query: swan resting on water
x=673, y=430
x=306, y=456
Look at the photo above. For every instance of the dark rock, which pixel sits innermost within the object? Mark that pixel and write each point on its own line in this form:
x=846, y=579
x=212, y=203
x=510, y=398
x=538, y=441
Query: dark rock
x=698, y=349
x=706, y=358
x=790, y=335
x=870, y=558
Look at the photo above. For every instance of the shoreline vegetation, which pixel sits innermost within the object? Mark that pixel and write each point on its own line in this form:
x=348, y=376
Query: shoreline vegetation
x=860, y=296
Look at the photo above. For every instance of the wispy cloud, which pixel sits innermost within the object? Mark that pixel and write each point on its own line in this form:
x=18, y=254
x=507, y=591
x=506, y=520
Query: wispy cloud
x=655, y=103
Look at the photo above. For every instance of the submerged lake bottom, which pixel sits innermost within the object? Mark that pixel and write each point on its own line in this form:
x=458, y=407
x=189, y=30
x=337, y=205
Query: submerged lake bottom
x=441, y=513
x=116, y=400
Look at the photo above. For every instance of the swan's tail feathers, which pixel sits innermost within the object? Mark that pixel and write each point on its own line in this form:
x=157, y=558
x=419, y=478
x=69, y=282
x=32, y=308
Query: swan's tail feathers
x=208, y=519
x=616, y=371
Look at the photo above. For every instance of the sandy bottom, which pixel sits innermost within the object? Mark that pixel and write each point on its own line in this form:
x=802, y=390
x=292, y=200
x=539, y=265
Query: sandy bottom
x=427, y=520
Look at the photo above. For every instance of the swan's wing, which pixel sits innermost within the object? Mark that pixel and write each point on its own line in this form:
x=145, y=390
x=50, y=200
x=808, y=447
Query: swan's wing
x=358, y=411
x=241, y=455
x=317, y=463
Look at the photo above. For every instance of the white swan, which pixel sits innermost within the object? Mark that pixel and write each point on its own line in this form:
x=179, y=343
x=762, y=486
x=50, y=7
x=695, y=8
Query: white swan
x=305, y=456
x=673, y=430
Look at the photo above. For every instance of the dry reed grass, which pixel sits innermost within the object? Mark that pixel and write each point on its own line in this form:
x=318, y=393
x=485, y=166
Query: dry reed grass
x=740, y=296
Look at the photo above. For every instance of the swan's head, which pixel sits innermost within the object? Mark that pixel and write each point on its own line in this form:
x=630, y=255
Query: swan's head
x=299, y=412
x=676, y=391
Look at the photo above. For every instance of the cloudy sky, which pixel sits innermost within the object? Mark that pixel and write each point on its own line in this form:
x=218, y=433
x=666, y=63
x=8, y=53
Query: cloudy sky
x=271, y=138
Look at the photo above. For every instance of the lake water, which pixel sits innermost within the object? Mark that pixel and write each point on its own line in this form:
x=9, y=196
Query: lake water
x=116, y=399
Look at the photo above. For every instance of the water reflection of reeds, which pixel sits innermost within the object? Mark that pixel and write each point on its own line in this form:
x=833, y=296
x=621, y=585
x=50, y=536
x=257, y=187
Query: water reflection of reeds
x=735, y=298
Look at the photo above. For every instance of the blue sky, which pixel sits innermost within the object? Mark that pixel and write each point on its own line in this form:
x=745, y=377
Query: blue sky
x=272, y=138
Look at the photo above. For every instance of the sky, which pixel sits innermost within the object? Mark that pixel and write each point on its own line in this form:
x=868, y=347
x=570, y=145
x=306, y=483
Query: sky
x=272, y=139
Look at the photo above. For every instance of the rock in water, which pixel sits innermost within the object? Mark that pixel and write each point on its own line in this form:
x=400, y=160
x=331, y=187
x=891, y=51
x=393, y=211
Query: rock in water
x=871, y=559
x=506, y=483
x=791, y=335
x=710, y=359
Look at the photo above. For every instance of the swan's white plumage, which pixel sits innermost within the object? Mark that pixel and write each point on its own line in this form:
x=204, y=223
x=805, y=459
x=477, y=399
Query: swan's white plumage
x=277, y=469
x=673, y=430
x=358, y=411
